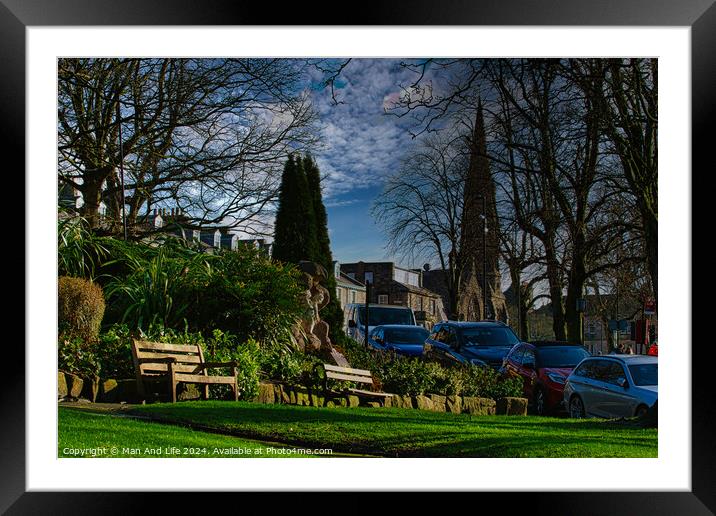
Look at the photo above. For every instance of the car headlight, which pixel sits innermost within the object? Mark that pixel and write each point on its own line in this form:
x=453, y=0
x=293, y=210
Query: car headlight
x=557, y=378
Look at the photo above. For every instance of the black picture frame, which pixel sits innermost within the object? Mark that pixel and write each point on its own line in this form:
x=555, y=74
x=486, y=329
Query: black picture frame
x=17, y=15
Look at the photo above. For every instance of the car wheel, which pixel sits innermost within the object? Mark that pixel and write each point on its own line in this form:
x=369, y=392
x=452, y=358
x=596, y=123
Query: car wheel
x=576, y=407
x=641, y=411
x=539, y=403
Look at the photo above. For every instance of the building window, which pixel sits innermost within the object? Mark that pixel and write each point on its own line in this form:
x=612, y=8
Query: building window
x=432, y=306
x=369, y=277
x=382, y=299
x=353, y=296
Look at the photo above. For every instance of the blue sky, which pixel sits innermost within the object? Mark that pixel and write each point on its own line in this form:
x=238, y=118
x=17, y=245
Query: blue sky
x=362, y=146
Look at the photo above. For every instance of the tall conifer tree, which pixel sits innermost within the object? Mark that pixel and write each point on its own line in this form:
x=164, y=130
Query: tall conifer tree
x=295, y=225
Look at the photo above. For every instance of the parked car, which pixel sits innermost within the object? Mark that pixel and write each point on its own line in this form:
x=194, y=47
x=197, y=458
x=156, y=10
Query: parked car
x=612, y=386
x=378, y=315
x=544, y=367
x=483, y=343
x=403, y=339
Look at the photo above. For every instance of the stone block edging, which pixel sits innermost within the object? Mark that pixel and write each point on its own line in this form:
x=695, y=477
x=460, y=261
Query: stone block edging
x=270, y=392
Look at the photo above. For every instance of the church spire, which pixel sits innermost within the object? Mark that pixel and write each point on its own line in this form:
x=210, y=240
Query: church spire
x=479, y=240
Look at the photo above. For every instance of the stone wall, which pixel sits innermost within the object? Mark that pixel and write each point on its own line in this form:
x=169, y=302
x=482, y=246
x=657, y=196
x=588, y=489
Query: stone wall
x=71, y=387
x=294, y=395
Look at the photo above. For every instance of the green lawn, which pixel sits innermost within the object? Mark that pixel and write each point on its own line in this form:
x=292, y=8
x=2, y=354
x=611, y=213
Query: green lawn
x=108, y=435
x=411, y=433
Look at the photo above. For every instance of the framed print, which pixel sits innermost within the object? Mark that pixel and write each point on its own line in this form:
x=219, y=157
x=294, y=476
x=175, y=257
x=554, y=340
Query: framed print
x=301, y=145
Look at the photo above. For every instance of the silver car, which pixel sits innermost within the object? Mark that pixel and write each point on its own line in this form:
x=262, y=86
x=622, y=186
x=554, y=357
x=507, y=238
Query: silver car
x=612, y=386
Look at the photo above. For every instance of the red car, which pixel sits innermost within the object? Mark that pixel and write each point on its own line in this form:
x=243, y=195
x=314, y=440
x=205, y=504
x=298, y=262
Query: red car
x=544, y=366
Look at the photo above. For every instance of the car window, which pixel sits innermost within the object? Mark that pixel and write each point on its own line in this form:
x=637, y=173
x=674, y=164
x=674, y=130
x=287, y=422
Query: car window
x=407, y=335
x=608, y=371
x=560, y=356
x=442, y=334
x=378, y=316
x=529, y=356
x=516, y=355
x=644, y=374
x=489, y=336
x=586, y=369
x=451, y=338
x=616, y=373
x=436, y=332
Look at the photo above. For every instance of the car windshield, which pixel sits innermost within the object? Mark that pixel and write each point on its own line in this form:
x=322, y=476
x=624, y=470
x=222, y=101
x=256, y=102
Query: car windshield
x=645, y=374
x=379, y=316
x=487, y=336
x=561, y=356
x=406, y=335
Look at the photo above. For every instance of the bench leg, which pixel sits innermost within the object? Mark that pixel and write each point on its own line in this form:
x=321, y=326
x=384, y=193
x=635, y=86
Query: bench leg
x=173, y=386
x=206, y=391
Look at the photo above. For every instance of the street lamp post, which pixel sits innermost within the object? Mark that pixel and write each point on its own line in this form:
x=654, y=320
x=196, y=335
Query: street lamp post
x=121, y=171
x=484, y=257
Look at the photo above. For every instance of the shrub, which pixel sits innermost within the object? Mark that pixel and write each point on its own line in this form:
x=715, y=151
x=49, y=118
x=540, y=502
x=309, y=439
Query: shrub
x=76, y=356
x=114, y=352
x=153, y=293
x=413, y=376
x=485, y=382
x=224, y=347
x=280, y=364
x=79, y=251
x=80, y=308
x=450, y=381
x=174, y=286
x=246, y=293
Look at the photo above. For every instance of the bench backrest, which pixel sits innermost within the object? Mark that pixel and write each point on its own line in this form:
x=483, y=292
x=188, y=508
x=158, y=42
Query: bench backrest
x=188, y=357
x=348, y=374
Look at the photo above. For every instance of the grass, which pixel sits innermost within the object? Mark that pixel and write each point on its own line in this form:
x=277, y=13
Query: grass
x=87, y=434
x=410, y=433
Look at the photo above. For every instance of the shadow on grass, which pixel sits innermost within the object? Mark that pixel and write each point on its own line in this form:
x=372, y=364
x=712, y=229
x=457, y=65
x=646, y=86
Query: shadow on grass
x=409, y=433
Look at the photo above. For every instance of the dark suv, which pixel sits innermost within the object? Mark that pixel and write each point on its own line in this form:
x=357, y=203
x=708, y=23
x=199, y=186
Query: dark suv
x=482, y=343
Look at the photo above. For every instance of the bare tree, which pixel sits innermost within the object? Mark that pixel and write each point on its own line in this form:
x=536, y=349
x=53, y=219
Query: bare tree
x=631, y=114
x=550, y=153
x=421, y=206
x=204, y=135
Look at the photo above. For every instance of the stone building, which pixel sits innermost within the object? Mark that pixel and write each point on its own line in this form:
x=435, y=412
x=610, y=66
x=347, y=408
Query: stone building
x=173, y=222
x=393, y=285
x=348, y=290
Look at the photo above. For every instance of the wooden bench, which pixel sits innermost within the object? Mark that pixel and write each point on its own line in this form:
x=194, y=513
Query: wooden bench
x=175, y=364
x=347, y=374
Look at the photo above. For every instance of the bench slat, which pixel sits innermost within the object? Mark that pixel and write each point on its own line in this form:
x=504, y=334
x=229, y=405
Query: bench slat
x=197, y=378
x=160, y=346
x=372, y=393
x=348, y=377
x=180, y=368
x=348, y=370
x=187, y=359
